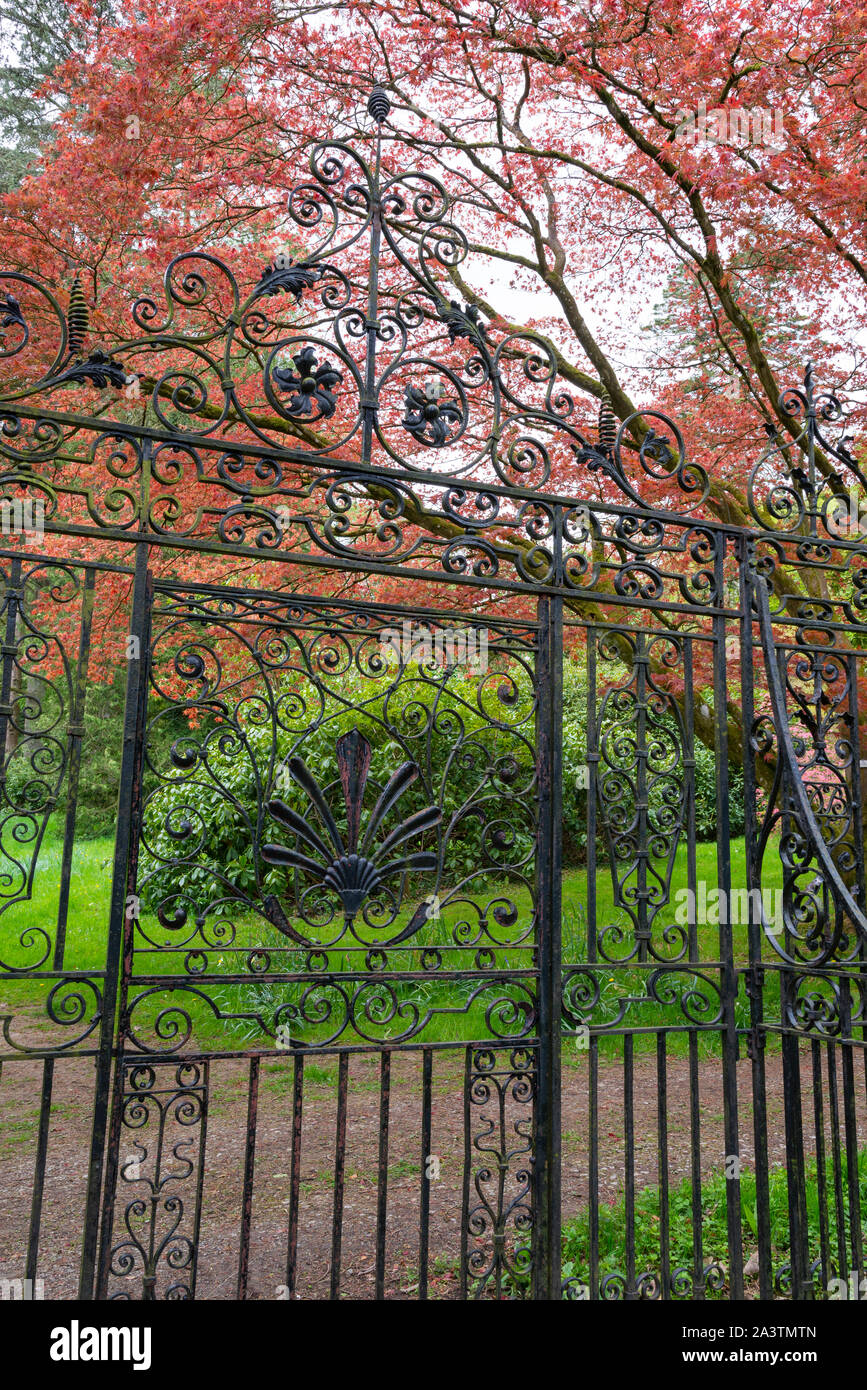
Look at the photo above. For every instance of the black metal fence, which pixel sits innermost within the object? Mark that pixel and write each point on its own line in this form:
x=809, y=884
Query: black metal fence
x=413, y=971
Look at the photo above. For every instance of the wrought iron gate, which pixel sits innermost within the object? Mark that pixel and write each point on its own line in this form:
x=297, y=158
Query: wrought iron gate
x=335, y=949
x=339, y=987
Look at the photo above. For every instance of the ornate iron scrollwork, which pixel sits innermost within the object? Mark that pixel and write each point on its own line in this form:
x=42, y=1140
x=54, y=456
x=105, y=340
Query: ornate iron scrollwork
x=642, y=795
x=163, y=1115
x=330, y=354
x=812, y=801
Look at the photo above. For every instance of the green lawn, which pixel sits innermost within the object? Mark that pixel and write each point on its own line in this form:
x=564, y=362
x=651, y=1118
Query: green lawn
x=86, y=938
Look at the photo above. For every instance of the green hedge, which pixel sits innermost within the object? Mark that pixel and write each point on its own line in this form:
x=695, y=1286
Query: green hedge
x=225, y=818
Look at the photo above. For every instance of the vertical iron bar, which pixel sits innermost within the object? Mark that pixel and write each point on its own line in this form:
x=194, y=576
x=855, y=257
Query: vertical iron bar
x=382, y=1174
x=834, y=1127
x=729, y=981
x=39, y=1169
x=424, y=1205
x=860, y=892
x=642, y=753
x=695, y=1167
x=368, y=405
x=295, y=1173
x=755, y=975
x=200, y=1179
x=631, y=1291
x=549, y=754
x=689, y=786
x=593, y=1167
x=10, y=651
x=821, y=1177
x=465, y=1195
x=847, y=1069
x=119, y=929
x=662, y=1162
x=592, y=776
x=794, y=1153
x=249, y=1170
x=802, y=1284
x=339, y=1172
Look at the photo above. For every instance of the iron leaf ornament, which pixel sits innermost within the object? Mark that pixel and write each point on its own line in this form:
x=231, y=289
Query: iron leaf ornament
x=287, y=276
x=464, y=322
x=99, y=369
x=10, y=313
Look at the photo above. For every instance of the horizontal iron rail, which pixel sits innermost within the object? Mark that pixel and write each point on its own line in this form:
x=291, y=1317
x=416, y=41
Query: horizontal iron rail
x=323, y=462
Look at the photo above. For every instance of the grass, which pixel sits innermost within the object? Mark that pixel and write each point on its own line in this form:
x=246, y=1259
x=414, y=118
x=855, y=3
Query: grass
x=714, y=1246
x=456, y=1014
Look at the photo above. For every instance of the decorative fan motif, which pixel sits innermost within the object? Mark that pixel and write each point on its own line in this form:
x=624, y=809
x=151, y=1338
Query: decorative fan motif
x=350, y=865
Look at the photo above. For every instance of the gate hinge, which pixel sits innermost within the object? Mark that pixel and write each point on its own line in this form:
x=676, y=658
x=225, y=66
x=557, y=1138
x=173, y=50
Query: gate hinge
x=754, y=979
x=756, y=1040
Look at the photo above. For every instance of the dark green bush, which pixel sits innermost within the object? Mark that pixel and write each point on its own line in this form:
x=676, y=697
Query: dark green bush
x=100, y=760
x=210, y=816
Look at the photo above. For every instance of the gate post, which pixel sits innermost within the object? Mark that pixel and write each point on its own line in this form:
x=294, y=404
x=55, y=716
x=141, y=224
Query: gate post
x=755, y=973
x=549, y=768
x=729, y=977
x=125, y=853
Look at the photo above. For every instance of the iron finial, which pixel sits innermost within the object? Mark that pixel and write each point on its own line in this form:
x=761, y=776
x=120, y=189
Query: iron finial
x=77, y=317
x=378, y=105
x=607, y=426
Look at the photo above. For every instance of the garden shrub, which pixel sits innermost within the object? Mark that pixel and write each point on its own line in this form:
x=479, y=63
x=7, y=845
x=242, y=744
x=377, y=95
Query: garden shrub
x=218, y=811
